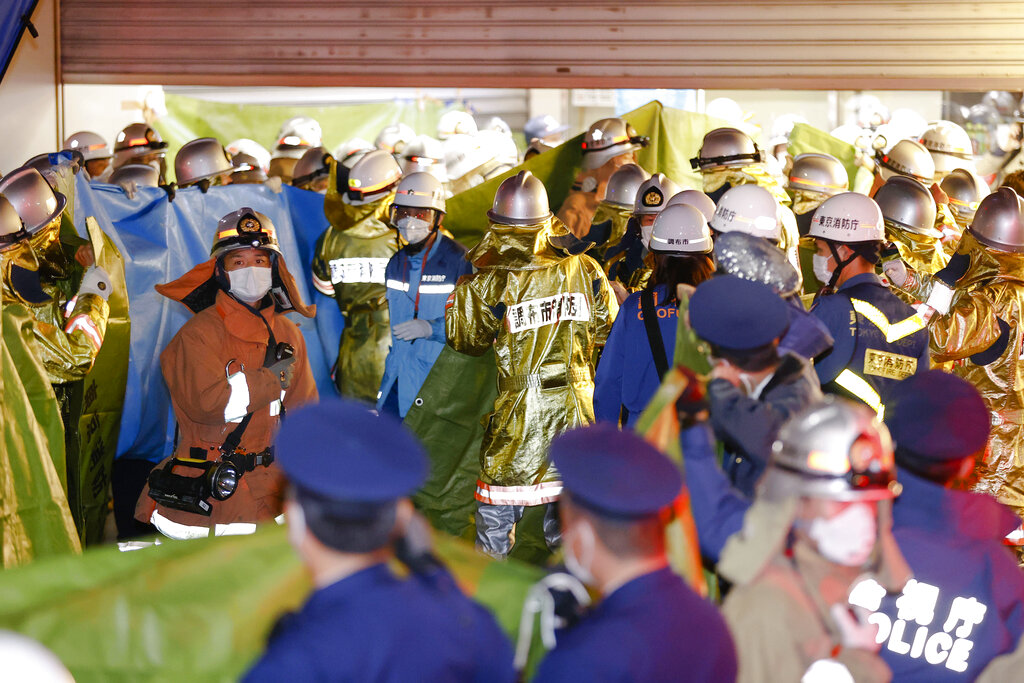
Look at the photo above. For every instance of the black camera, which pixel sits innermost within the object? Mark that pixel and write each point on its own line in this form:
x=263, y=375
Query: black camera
x=217, y=480
x=283, y=350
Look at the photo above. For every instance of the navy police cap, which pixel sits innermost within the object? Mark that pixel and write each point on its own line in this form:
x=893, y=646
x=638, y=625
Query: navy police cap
x=615, y=473
x=737, y=314
x=340, y=451
x=937, y=416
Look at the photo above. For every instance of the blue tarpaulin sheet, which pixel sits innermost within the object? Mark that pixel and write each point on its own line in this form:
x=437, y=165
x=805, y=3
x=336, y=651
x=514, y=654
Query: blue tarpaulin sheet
x=160, y=241
x=11, y=28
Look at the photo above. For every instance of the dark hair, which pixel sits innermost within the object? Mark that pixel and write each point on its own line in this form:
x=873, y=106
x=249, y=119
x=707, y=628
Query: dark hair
x=347, y=527
x=939, y=472
x=1014, y=181
x=680, y=270
x=869, y=251
x=749, y=360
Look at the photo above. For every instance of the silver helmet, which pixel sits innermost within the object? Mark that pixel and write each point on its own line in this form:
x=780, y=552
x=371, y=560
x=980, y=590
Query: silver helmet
x=653, y=195
x=372, y=177
x=394, y=138
x=520, y=200
x=36, y=202
x=312, y=165
x=298, y=134
x=243, y=229
x=200, y=159
x=607, y=139
x=420, y=190
x=89, y=144
x=820, y=173
x=999, y=222
x=726, y=148
x=623, y=185
x=696, y=199
x=907, y=205
x=143, y=175
x=12, y=229
x=833, y=450
x=909, y=158
x=425, y=154
x=965, y=190
x=247, y=169
x=680, y=230
x=137, y=140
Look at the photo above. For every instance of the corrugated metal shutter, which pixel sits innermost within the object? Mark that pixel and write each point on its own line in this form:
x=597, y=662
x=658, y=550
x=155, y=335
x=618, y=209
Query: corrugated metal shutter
x=805, y=44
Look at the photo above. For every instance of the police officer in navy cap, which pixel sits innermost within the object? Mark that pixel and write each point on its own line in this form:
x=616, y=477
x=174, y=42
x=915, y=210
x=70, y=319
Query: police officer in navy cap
x=753, y=389
x=965, y=605
x=649, y=626
x=348, y=514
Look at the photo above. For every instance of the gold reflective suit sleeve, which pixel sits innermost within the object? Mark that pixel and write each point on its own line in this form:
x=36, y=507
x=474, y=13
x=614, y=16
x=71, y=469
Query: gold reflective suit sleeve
x=69, y=347
x=969, y=328
x=606, y=306
x=470, y=324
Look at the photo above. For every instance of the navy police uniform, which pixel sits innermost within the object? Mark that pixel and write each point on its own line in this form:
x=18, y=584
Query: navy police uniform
x=879, y=340
x=374, y=625
x=744, y=316
x=418, y=285
x=654, y=627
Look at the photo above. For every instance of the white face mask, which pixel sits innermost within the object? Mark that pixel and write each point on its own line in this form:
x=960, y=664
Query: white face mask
x=413, y=230
x=849, y=537
x=580, y=566
x=821, y=269
x=250, y=284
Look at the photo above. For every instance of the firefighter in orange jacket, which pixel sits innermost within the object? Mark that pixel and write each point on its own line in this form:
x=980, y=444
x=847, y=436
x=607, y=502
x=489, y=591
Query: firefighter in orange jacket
x=232, y=371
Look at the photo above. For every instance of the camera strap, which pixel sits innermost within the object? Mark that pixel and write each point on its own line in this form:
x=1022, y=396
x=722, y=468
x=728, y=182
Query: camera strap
x=234, y=439
x=654, y=339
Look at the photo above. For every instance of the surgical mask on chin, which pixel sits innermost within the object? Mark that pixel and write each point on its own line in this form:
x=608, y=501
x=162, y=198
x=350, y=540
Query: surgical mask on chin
x=821, y=269
x=580, y=566
x=413, y=230
x=250, y=284
x=848, y=538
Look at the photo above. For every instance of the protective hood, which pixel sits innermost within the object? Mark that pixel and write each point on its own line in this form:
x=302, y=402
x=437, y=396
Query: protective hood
x=754, y=174
x=805, y=201
x=988, y=264
x=923, y=254
x=198, y=289
x=516, y=247
x=766, y=535
x=616, y=217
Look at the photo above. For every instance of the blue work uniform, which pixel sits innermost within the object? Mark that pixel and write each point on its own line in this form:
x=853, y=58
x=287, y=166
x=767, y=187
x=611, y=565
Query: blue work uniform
x=952, y=541
x=879, y=340
x=626, y=376
x=374, y=626
x=415, y=290
x=653, y=628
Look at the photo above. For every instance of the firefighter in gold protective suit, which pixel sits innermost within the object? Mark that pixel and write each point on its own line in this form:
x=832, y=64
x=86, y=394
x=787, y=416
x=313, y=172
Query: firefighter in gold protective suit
x=607, y=145
x=67, y=335
x=545, y=310
x=978, y=301
x=349, y=262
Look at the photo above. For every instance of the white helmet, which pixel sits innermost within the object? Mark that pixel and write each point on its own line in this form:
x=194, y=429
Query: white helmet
x=696, y=199
x=680, y=230
x=455, y=123
x=425, y=154
x=653, y=195
x=782, y=127
x=25, y=659
x=348, y=152
x=750, y=209
x=372, y=177
x=90, y=145
x=252, y=148
x=543, y=127
x=200, y=159
x=298, y=134
x=498, y=125
x=848, y=218
x=623, y=185
x=909, y=158
x=502, y=150
x=394, y=138
x=464, y=154
x=950, y=146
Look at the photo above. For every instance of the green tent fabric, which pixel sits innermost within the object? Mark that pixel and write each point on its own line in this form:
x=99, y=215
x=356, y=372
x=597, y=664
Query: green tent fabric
x=195, y=610
x=806, y=138
x=188, y=118
x=101, y=400
x=675, y=136
x=35, y=520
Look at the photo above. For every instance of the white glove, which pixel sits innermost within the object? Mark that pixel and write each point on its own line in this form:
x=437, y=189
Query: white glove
x=96, y=281
x=412, y=329
x=896, y=271
x=941, y=298
x=129, y=187
x=274, y=184
x=855, y=631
